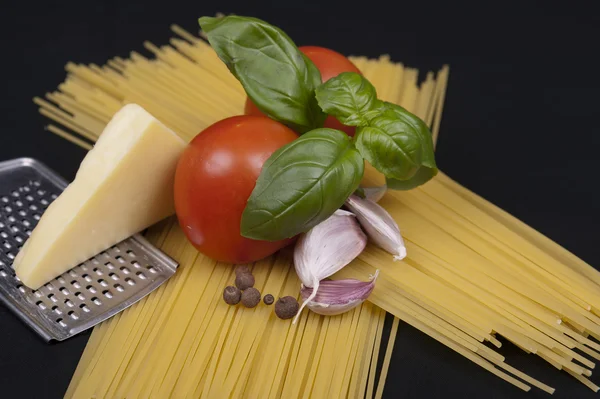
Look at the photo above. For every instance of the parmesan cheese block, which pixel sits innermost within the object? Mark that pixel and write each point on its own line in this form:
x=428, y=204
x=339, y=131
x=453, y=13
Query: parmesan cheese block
x=123, y=185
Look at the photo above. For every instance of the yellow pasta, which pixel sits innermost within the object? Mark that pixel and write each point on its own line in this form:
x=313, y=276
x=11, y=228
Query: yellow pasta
x=472, y=272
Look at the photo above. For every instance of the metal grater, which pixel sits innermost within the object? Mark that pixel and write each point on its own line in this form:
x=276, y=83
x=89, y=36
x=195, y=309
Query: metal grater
x=85, y=295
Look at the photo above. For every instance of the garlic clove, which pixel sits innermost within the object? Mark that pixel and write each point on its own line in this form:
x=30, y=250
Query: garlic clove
x=381, y=228
x=375, y=193
x=326, y=248
x=338, y=296
x=333, y=309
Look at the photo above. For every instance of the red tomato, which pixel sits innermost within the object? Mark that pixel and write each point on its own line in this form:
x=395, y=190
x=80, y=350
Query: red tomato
x=330, y=63
x=215, y=177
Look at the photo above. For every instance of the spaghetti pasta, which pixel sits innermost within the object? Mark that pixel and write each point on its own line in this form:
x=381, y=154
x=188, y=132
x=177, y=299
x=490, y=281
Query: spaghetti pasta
x=472, y=272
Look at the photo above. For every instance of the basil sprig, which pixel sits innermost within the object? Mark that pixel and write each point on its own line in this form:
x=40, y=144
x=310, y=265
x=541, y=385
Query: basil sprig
x=305, y=181
x=396, y=142
x=277, y=77
x=302, y=184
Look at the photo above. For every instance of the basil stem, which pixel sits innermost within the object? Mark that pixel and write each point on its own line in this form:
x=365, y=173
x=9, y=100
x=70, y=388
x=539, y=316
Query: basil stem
x=301, y=185
x=277, y=77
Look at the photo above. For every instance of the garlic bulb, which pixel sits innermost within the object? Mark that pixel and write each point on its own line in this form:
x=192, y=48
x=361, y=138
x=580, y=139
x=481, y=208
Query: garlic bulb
x=326, y=248
x=379, y=225
x=338, y=296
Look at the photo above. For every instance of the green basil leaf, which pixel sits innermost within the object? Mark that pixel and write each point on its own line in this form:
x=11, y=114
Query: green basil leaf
x=276, y=76
x=427, y=152
x=391, y=145
x=423, y=175
x=348, y=97
x=301, y=185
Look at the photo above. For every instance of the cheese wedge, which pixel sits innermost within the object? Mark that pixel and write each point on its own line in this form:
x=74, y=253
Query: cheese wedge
x=123, y=185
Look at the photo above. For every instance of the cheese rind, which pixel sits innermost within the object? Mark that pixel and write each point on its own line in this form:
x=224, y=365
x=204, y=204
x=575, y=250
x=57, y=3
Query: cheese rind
x=123, y=185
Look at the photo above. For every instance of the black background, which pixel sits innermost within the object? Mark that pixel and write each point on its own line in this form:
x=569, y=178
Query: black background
x=519, y=128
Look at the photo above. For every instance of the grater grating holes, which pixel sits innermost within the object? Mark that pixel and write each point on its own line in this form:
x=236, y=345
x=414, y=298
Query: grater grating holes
x=72, y=301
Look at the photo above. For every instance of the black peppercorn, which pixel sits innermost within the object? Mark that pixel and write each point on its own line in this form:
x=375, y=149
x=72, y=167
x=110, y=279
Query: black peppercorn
x=268, y=299
x=244, y=281
x=250, y=297
x=242, y=269
x=231, y=295
x=286, y=307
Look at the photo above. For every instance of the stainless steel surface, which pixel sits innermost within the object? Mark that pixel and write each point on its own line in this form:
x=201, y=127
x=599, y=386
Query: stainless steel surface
x=85, y=295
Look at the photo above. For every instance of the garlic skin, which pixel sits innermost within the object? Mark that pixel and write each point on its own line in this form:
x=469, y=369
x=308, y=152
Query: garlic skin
x=339, y=296
x=379, y=225
x=325, y=249
x=375, y=193
x=328, y=247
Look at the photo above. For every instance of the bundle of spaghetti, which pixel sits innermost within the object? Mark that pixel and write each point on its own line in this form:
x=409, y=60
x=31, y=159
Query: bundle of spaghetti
x=473, y=271
x=183, y=340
